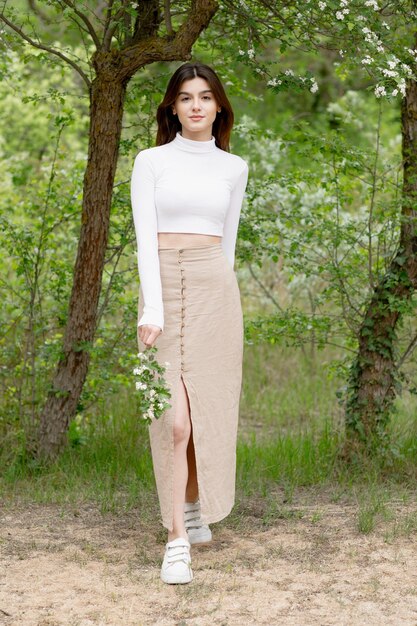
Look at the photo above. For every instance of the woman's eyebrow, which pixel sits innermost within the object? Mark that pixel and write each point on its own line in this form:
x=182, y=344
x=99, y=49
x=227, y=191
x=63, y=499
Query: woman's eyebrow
x=188, y=94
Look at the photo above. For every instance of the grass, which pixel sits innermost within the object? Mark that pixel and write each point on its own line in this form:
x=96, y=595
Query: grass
x=289, y=438
x=372, y=506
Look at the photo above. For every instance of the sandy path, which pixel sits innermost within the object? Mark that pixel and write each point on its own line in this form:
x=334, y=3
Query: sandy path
x=66, y=567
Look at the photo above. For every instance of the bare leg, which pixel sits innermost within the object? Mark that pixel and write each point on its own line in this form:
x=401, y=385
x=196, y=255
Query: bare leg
x=191, y=492
x=182, y=431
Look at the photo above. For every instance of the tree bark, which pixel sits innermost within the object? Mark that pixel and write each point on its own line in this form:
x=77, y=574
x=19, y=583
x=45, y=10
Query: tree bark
x=113, y=70
x=106, y=112
x=374, y=375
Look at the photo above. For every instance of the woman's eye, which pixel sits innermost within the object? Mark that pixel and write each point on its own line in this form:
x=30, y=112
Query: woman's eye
x=183, y=99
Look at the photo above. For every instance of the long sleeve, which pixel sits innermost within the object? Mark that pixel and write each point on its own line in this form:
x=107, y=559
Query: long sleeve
x=146, y=227
x=233, y=214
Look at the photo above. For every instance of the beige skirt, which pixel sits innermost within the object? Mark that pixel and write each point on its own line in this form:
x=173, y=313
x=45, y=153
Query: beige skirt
x=202, y=341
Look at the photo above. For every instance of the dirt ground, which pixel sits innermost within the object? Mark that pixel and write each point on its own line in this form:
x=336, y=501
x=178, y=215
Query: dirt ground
x=307, y=566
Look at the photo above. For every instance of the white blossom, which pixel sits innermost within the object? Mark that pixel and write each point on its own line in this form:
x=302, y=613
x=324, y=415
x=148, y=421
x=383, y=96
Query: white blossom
x=389, y=73
x=371, y=37
x=322, y=6
x=406, y=69
x=373, y=4
x=273, y=82
x=380, y=91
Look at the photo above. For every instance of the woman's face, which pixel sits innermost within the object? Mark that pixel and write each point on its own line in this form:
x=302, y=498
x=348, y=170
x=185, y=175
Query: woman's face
x=196, y=108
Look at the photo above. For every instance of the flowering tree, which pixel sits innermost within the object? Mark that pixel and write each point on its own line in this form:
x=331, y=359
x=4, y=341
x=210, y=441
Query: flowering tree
x=378, y=43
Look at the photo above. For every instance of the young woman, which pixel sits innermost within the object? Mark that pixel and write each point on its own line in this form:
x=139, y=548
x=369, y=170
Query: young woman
x=187, y=194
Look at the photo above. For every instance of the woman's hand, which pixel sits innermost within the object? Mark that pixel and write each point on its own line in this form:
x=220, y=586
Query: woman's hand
x=148, y=333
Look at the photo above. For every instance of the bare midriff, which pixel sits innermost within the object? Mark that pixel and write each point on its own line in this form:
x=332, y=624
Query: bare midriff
x=186, y=240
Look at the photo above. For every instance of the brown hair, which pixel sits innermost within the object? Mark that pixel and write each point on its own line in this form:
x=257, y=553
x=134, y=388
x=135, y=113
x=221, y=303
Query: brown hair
x=169, y=124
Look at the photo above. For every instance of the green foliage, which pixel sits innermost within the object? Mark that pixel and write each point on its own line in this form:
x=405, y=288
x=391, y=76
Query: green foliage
x=329, y=227
x=320, y=225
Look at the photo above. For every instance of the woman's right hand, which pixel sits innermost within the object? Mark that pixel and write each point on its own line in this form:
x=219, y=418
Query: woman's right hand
x=148, y=333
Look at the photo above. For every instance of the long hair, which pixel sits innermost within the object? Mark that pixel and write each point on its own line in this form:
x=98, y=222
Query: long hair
x=169, y=124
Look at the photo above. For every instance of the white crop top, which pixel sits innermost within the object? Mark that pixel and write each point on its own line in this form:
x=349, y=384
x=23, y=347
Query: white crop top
x=184, y=186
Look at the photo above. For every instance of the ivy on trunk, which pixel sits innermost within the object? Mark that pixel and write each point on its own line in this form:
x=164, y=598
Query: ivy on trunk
x=374, y=376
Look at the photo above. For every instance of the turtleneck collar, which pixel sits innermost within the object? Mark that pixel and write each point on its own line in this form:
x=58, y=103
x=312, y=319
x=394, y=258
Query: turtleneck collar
x=193, y=145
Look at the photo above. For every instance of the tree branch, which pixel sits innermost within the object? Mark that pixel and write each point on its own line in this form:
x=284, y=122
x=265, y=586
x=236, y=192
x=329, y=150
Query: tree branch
x=154, y=48
x=107, y=22
x=86, y=21
x=147, y=21
x=410, y=348
x=127, y=21
x=264, y=289
x=110, y=30
x=42, y=46
x=168, y=22
x=39, y=12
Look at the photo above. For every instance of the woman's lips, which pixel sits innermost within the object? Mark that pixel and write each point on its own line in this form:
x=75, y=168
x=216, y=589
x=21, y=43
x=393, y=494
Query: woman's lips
x=196, y=117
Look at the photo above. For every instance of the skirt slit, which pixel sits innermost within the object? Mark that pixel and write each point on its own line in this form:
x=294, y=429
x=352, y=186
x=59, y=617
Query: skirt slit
x=197, y=455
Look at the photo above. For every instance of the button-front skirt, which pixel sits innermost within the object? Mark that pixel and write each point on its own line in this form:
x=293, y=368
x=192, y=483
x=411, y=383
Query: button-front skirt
x=202, y=341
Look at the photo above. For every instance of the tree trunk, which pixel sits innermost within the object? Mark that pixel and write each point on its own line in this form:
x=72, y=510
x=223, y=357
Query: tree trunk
x=106, y=112
x=373, y=376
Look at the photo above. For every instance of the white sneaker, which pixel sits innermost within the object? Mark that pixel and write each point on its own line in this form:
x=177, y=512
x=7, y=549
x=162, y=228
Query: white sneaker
x=176, y=566
x=197, y=531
